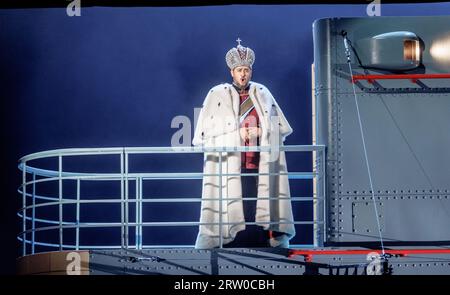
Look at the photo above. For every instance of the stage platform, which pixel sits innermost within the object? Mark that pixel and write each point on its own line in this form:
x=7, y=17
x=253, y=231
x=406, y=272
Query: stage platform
x=241, y=261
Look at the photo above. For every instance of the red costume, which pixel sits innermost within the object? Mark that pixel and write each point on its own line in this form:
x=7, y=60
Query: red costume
x=249, y=160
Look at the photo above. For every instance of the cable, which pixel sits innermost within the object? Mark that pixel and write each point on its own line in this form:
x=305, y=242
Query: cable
x=347, y=53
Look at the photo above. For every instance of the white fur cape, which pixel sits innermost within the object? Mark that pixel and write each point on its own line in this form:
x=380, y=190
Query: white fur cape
x=218, y=125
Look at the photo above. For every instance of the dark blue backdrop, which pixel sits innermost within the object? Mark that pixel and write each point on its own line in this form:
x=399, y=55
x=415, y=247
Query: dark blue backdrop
x=118, y=76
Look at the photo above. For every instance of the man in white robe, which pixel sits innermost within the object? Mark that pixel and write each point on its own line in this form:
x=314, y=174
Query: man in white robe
x=221, y=123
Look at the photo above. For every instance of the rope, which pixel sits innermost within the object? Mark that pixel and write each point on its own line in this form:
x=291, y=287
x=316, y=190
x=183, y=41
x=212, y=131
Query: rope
x=347, y=52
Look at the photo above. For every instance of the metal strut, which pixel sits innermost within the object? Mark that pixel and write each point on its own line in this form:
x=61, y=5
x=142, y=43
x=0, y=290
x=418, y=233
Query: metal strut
x=347, y=53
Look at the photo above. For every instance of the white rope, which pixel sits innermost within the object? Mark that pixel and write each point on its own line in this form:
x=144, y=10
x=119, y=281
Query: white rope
x=364, y=147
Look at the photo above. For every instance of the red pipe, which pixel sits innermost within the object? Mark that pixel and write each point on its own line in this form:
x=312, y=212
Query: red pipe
x=413, y=77
x=308, y=254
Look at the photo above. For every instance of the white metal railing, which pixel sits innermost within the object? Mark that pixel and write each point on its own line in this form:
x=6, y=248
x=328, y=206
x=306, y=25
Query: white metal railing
x=29, y=196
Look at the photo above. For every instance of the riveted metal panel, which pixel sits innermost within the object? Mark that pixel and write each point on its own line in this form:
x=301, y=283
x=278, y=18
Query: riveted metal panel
x=406, y=135
x=260, y=261
x=363, y=218
x=195, y=262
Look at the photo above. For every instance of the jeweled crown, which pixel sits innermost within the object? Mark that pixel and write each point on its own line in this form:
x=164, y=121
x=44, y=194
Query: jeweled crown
x=240, y=56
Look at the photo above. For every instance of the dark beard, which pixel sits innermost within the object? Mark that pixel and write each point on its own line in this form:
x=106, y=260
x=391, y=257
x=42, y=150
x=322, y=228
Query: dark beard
x=239, y=86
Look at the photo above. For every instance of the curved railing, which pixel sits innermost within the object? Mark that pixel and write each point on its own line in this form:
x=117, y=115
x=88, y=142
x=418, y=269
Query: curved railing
x=31, y=200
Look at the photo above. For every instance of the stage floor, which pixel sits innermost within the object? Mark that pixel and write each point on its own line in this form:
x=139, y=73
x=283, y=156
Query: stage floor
x=242, y=261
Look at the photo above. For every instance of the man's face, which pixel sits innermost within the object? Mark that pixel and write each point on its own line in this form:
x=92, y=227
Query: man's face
x=241, y=76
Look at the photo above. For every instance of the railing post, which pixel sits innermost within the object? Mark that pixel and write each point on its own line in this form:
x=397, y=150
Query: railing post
x=138, y=228
x=24, y=211
x=33, y=214
x=323, y=195
x=319, y=201
x=220, y=201
x=60, y=202
x=122, y=184
x=141, y=238
x=316, y=199
x=77, y=229
x=126, y=201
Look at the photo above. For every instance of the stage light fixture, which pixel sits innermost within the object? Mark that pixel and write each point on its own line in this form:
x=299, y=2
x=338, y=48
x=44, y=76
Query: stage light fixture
x=393, y=51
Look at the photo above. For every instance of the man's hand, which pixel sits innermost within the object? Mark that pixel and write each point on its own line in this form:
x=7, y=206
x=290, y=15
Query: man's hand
x=254, y=132
x=250, y=133
x=243, y=133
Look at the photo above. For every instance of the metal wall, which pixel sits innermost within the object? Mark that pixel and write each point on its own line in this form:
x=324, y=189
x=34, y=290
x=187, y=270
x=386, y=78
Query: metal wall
x=406, y=129
x=240, y=261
